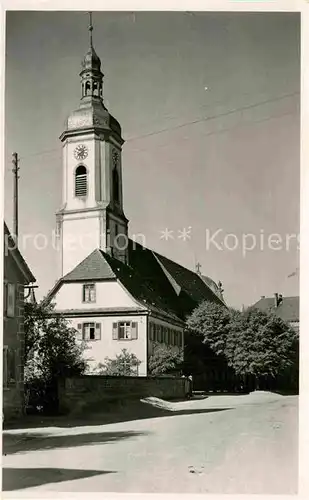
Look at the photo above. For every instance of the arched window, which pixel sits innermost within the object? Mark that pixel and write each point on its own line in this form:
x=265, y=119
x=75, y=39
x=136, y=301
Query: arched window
x=95, y=88
x=115, y=185
x=81, y=181
x=87, y=88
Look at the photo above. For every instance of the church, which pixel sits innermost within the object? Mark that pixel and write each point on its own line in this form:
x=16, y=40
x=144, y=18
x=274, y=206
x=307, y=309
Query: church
x=116, y=293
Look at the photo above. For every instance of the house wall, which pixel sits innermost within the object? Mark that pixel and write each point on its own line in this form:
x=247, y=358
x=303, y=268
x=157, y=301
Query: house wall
x=108, y=294
x=13, y=340
x=97, y=350
x=154, y=338
x=111, y=294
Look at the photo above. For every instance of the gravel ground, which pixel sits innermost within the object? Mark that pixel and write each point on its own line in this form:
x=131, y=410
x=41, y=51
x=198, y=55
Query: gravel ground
x=222, y=444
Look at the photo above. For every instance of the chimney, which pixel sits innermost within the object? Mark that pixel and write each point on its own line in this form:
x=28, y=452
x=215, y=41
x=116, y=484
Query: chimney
x=278, y=299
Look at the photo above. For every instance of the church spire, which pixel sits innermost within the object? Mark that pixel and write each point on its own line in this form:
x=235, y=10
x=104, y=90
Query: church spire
x=90, y=28
x=91, y=75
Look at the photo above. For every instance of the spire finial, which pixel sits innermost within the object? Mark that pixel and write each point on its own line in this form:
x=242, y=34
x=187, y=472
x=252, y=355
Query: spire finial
x=90, y=28
x=198, y=268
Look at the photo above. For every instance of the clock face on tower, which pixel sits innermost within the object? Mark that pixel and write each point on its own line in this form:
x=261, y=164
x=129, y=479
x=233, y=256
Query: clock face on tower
x=81, y=152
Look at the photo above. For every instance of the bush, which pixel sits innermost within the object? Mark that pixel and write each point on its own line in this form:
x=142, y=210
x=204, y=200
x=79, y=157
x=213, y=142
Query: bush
x=124, y=365
x=51, y=352
x=164, y=361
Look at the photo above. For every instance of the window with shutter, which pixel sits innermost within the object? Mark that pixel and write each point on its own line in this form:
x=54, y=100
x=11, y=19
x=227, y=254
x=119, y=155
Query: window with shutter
x=154, y=332
x=97, y=331
x=10, y=300
x=124, y=330
x=134, y=330
x=88, y=331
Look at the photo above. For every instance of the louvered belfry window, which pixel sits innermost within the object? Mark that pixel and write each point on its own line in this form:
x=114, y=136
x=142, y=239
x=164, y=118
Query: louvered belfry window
x=81, y=181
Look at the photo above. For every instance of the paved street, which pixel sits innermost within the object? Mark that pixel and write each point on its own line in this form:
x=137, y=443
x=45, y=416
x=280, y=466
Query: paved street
x=222, y=444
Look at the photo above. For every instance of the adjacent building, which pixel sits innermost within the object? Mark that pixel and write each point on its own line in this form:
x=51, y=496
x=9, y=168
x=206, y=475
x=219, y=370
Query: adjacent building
x=287, y=308
x=16, y=275
x=117, y=293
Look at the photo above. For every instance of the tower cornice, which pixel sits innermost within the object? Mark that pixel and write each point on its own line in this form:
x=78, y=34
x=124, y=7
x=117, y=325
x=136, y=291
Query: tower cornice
x=92, y=130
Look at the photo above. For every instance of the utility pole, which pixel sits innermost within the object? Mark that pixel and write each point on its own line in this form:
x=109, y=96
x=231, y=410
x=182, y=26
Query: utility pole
x=15, y=169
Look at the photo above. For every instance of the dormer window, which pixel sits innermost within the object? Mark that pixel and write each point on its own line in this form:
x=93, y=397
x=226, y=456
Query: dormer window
x=81, y=181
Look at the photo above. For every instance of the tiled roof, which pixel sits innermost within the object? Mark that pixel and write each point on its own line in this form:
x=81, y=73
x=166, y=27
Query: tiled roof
x=156, y=282
x=91, y=268
x=190, y=282
x=10, y=245
x=288, y=309
x=144, y=288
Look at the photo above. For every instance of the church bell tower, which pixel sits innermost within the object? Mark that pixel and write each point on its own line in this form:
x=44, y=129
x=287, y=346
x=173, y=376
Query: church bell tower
x=92, y=214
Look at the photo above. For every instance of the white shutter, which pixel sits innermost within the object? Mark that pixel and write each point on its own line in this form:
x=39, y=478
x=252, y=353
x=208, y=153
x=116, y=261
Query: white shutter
x=97, y=333
x=115, y=331
x=11, y=300
x=79, y=335
x=134, y=330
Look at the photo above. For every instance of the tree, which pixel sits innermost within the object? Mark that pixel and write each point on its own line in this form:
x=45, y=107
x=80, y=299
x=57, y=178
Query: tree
x=51, y=350
x=255, y=343
x=262, y=345
x=164, y=360
x=211, y=323
x=124, y=365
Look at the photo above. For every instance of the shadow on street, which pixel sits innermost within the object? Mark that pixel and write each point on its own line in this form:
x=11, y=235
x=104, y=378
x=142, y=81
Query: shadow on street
x=134, y=411
x=29, y=441
x=17, y=479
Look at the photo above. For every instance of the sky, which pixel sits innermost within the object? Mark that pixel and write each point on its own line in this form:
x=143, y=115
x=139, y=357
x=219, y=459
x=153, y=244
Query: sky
x=209, y=107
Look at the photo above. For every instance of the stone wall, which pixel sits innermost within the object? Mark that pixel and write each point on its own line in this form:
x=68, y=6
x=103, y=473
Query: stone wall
x=96, y=392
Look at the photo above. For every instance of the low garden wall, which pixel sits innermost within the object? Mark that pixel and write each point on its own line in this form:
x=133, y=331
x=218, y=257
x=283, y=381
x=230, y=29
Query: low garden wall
x=96, y=391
